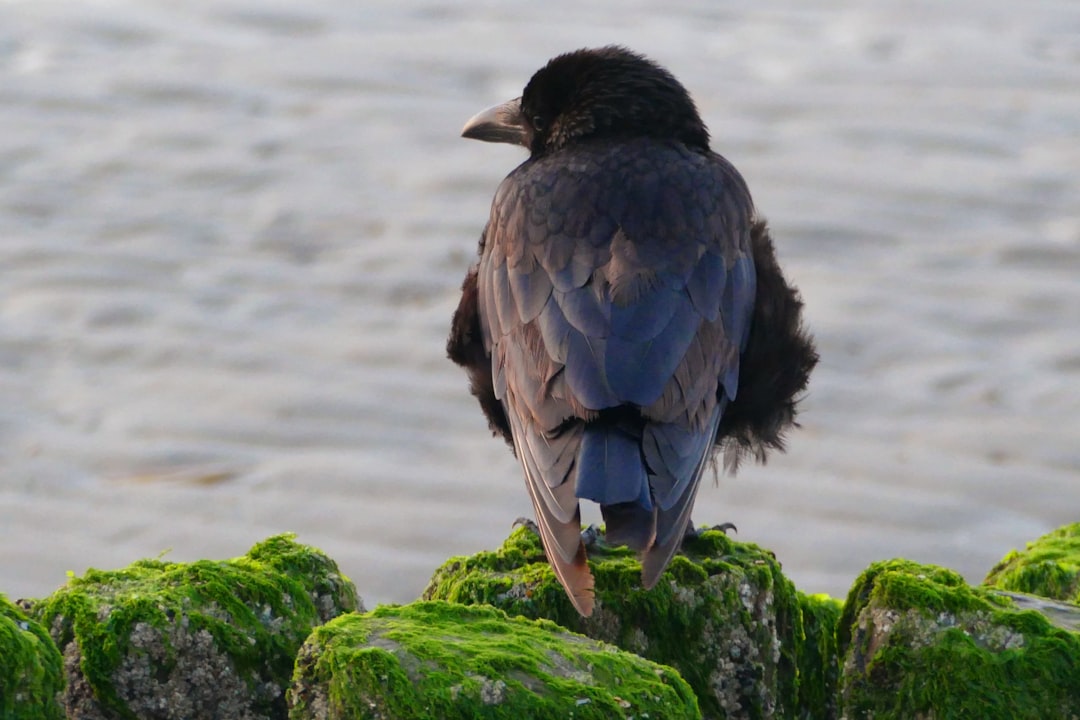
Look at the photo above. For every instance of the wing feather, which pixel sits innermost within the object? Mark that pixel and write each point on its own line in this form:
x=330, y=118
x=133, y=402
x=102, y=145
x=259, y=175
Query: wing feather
x=558, y=518
x=672, y=521
x=531, y=289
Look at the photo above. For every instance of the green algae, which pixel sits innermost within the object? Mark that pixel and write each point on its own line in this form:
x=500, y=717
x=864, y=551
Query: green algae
x=31, y=669
x=818, y=658
x=903, y=585
x=200, y=636
x=1049, y=567
x=723, y=614
x=917, y=641
x=448, y=661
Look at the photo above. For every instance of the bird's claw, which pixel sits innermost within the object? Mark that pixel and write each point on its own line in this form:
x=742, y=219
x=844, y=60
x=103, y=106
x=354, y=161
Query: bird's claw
x=692, y=533
x=591, y=536
x=527, y=523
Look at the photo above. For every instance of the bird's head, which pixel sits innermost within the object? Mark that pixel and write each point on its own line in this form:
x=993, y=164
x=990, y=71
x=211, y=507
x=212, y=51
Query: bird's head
x=608, y=92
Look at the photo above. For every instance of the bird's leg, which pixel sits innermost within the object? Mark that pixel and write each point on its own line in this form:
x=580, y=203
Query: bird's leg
x=692, y=533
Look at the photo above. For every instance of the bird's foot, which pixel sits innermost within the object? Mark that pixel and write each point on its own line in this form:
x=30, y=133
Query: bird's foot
x=527, y=523
x=591, y=536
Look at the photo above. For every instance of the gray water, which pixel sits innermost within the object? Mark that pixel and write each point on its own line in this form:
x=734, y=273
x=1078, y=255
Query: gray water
x=232, y=235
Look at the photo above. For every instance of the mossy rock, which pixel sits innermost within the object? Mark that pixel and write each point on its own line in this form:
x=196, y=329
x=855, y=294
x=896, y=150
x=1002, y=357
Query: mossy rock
x=818, y=659
x=723, y=614
x=208, y=639
x=1049, y=567
x=919, y=642
x=31, y=670
x=443, y=661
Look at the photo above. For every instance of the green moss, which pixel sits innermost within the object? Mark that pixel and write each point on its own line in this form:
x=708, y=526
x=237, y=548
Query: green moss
x=31, y=669
x=904, y=585
x=918, y=642
x=1050, y=567
x=146, y=629
x=818, y=660
x=447, y=661
x=723, y=614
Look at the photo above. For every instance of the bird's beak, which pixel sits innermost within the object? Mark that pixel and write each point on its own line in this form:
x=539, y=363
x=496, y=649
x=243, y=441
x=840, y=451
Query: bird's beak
x=502, y=123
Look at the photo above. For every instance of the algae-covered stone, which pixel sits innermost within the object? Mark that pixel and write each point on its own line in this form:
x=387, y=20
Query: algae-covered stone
x=206, y=639
x=723, y=614
x=1049, y=567
x=31, y=671
x=918, y=642
x=443, y=661
x=818, y=660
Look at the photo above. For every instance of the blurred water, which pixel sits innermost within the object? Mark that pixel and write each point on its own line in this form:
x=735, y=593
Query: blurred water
x=232, y=235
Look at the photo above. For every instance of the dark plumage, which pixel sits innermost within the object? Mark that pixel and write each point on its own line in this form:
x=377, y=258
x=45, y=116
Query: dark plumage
x=627, y=315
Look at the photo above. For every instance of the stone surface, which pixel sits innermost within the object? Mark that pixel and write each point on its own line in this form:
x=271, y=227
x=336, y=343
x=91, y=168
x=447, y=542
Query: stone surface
x=918, y=642
x=31, y=673
x=208, y=639
x=1048, y=567
x=443, y=661
x=818, y=661
x=723, y=615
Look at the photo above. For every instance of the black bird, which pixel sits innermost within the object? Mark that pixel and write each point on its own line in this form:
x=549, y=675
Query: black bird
x=626, y=315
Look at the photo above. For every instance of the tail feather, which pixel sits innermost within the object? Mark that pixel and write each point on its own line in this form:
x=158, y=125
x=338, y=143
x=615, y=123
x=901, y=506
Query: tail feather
x=610, y=467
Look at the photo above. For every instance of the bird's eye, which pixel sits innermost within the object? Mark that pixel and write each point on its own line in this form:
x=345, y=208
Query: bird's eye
x=538, y=122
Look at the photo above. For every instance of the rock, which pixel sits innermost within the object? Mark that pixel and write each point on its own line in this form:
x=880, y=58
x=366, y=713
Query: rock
x=818, y=659
x=1064, y=615
x=31, y=670
x=723, y=615
x=1049, y=567
x=918, y=642
x=443, y=661
x=208, y=639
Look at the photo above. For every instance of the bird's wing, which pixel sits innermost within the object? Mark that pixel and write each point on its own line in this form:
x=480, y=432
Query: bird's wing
x=526, y=271
x=615, y=279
